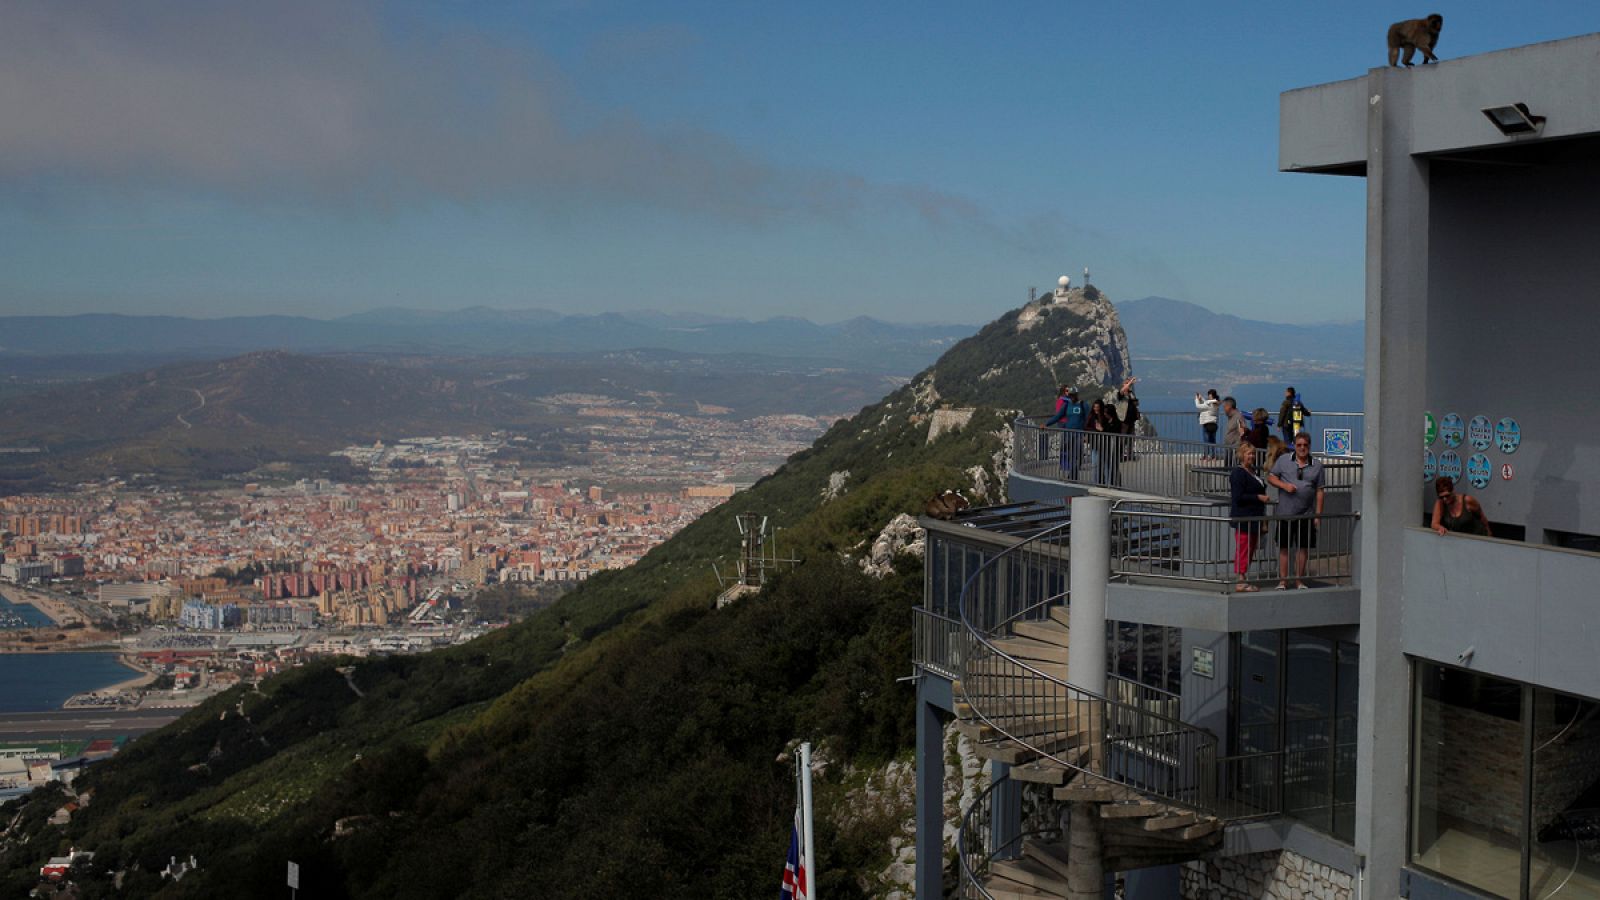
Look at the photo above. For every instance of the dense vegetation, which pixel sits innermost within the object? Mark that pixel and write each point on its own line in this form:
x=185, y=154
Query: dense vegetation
x=626, y=739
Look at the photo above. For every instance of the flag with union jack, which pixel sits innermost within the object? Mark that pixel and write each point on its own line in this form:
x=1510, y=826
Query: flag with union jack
x=794, y=870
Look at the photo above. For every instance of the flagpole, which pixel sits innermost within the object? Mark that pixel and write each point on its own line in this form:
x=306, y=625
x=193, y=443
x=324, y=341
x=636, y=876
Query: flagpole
x=810, y=855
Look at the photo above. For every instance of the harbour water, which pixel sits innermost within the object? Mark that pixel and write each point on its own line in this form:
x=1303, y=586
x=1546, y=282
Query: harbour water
x=21, y=615
x=35, y=682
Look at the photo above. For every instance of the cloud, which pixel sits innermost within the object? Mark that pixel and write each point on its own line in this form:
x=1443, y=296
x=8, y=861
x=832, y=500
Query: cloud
x=342, y=106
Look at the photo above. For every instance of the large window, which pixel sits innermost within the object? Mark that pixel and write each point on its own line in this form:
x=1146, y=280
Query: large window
x=1294, y=710
x=1506, y=785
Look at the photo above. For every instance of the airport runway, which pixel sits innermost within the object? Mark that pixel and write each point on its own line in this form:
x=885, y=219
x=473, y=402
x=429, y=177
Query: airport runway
x=82, y=723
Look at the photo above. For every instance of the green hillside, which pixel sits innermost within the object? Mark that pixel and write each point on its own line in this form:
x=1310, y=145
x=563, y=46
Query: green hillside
x=628, y=739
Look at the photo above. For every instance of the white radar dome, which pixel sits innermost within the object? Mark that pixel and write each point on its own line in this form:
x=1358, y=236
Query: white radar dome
x=1063, y=281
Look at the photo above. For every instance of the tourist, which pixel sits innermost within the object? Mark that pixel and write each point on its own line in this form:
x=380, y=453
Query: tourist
x=1105, y=451
x=1208, y=417
x=1298, y=478
x=1059, y=414
x=1248, y=503
x=1460, y=513
x=1073, y=415
x=1256, y=433
x=1233, y=427
x=1286, y=424
x=1128, y=413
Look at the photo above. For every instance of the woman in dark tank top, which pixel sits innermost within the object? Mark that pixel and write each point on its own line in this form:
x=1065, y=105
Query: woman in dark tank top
x=1455, y=512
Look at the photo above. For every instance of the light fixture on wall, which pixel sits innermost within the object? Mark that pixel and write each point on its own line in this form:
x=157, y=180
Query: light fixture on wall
x=1514, y=119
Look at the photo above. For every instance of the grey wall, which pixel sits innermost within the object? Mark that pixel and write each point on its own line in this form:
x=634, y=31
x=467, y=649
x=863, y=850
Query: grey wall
x=1529, y=613
x=1204, y=701
x=1514, y=330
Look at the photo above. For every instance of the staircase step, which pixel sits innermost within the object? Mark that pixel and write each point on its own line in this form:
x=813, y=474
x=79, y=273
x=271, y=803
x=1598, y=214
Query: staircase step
x=1131, y=810
x=1052, y=855
x=1033, y=874
x=1029, y=649
x=1170, y=821
x=1002, y=888
x=1015, y=672
x=1201, y=829
x=1095, y=791
x=1042, y=771
x=1050, y=632
x=1061, y=614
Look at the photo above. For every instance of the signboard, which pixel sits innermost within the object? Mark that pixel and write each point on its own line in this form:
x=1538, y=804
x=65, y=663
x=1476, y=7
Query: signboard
x=1430, y=429
x=1506, y=472
x=1451, y=430
x=1450, y=465
x=1508, y=435
x=1336, y=441
x=1478, y=470
x=1205, y=663
x=1480, y=434
x=294, y=876
x=1430, y=466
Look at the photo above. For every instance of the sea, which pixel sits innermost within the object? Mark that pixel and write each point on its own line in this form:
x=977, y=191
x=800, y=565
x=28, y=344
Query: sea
x=21, y=615
x=37, y=682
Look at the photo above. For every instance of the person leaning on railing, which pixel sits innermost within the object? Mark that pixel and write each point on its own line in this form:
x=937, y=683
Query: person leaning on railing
x=1248, y=496
x=1460, y=513
x=1298, y=477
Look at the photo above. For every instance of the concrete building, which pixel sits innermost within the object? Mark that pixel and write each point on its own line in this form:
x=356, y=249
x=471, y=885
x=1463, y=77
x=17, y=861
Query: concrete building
x=1422, y=721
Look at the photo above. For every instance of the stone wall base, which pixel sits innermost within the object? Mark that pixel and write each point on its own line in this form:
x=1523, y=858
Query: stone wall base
x=1276, y=875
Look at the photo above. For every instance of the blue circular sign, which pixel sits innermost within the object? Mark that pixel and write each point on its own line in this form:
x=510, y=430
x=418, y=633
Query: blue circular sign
x=1478, y=470
x=1480, y=434
x=1451, y=430
x=1508, y=435
x=1450, y=465
x=1430, y=466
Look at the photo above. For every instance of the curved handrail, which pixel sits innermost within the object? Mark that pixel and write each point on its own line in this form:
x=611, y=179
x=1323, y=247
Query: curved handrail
x=1035, y=706
x=975, y=845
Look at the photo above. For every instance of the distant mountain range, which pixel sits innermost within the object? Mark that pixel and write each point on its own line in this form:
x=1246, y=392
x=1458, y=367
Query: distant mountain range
x=861, y=343
x=212, y=418
x=1162, y=327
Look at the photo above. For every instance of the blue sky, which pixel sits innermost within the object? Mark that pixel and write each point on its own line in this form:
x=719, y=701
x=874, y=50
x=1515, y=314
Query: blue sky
x=914, y=162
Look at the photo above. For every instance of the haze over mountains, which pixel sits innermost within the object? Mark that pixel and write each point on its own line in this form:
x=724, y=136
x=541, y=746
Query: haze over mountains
x=1160, y=327
x=862, y=343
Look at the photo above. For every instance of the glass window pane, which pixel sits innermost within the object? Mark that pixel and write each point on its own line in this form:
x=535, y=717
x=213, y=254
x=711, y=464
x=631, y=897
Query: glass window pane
x=1565, y=857
x=1258, y=692
x=1346, y=697
x=1308, y=729
x=1467, y=820
x=1128, y=650
x=1153, y=657
x=1174, y=660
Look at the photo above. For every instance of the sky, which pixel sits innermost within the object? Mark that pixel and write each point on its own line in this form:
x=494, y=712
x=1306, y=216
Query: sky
x=920, y=162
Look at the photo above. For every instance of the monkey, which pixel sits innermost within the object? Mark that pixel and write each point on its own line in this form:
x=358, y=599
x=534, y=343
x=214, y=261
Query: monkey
x=946, y=505
x=1414, y=35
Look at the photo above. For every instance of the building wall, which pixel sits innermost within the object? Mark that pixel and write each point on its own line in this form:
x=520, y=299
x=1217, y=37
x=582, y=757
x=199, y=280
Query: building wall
x=1513, y=329
x=1276, y=875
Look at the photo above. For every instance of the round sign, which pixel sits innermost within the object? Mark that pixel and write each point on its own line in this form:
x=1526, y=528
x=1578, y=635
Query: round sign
x=1478, y=470
x=1451, y=430
x=1430, y=428
x=1480, y=434
x=1450, y=465
x=1506, y=472
x=1430, y=466
x=1508, y=435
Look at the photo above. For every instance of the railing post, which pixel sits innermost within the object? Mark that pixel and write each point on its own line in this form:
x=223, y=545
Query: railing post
x=1090, y=568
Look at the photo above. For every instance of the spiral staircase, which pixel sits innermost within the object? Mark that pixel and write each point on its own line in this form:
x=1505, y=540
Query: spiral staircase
x=1097, y=785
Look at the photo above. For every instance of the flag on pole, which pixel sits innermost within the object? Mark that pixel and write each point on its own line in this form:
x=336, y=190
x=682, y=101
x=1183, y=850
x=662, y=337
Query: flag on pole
x=794, y=870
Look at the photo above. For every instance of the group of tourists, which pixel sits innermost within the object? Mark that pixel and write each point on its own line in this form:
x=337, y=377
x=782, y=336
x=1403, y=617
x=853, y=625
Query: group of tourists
x=1298, y=478
x=1238, y=429
x=1095, y=426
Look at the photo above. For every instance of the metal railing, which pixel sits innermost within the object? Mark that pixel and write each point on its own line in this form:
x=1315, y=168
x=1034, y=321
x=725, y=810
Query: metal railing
x=1199, y=544
x=1156, y=465
x=936, y=642
x=1030, y=702
x=979, y=842
x=1185, y=426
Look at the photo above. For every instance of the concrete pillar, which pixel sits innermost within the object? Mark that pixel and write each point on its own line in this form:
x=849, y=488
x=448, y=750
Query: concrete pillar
x=1086, y=878
x=1090, y=570
x=930, y=798
x=1396, y=350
